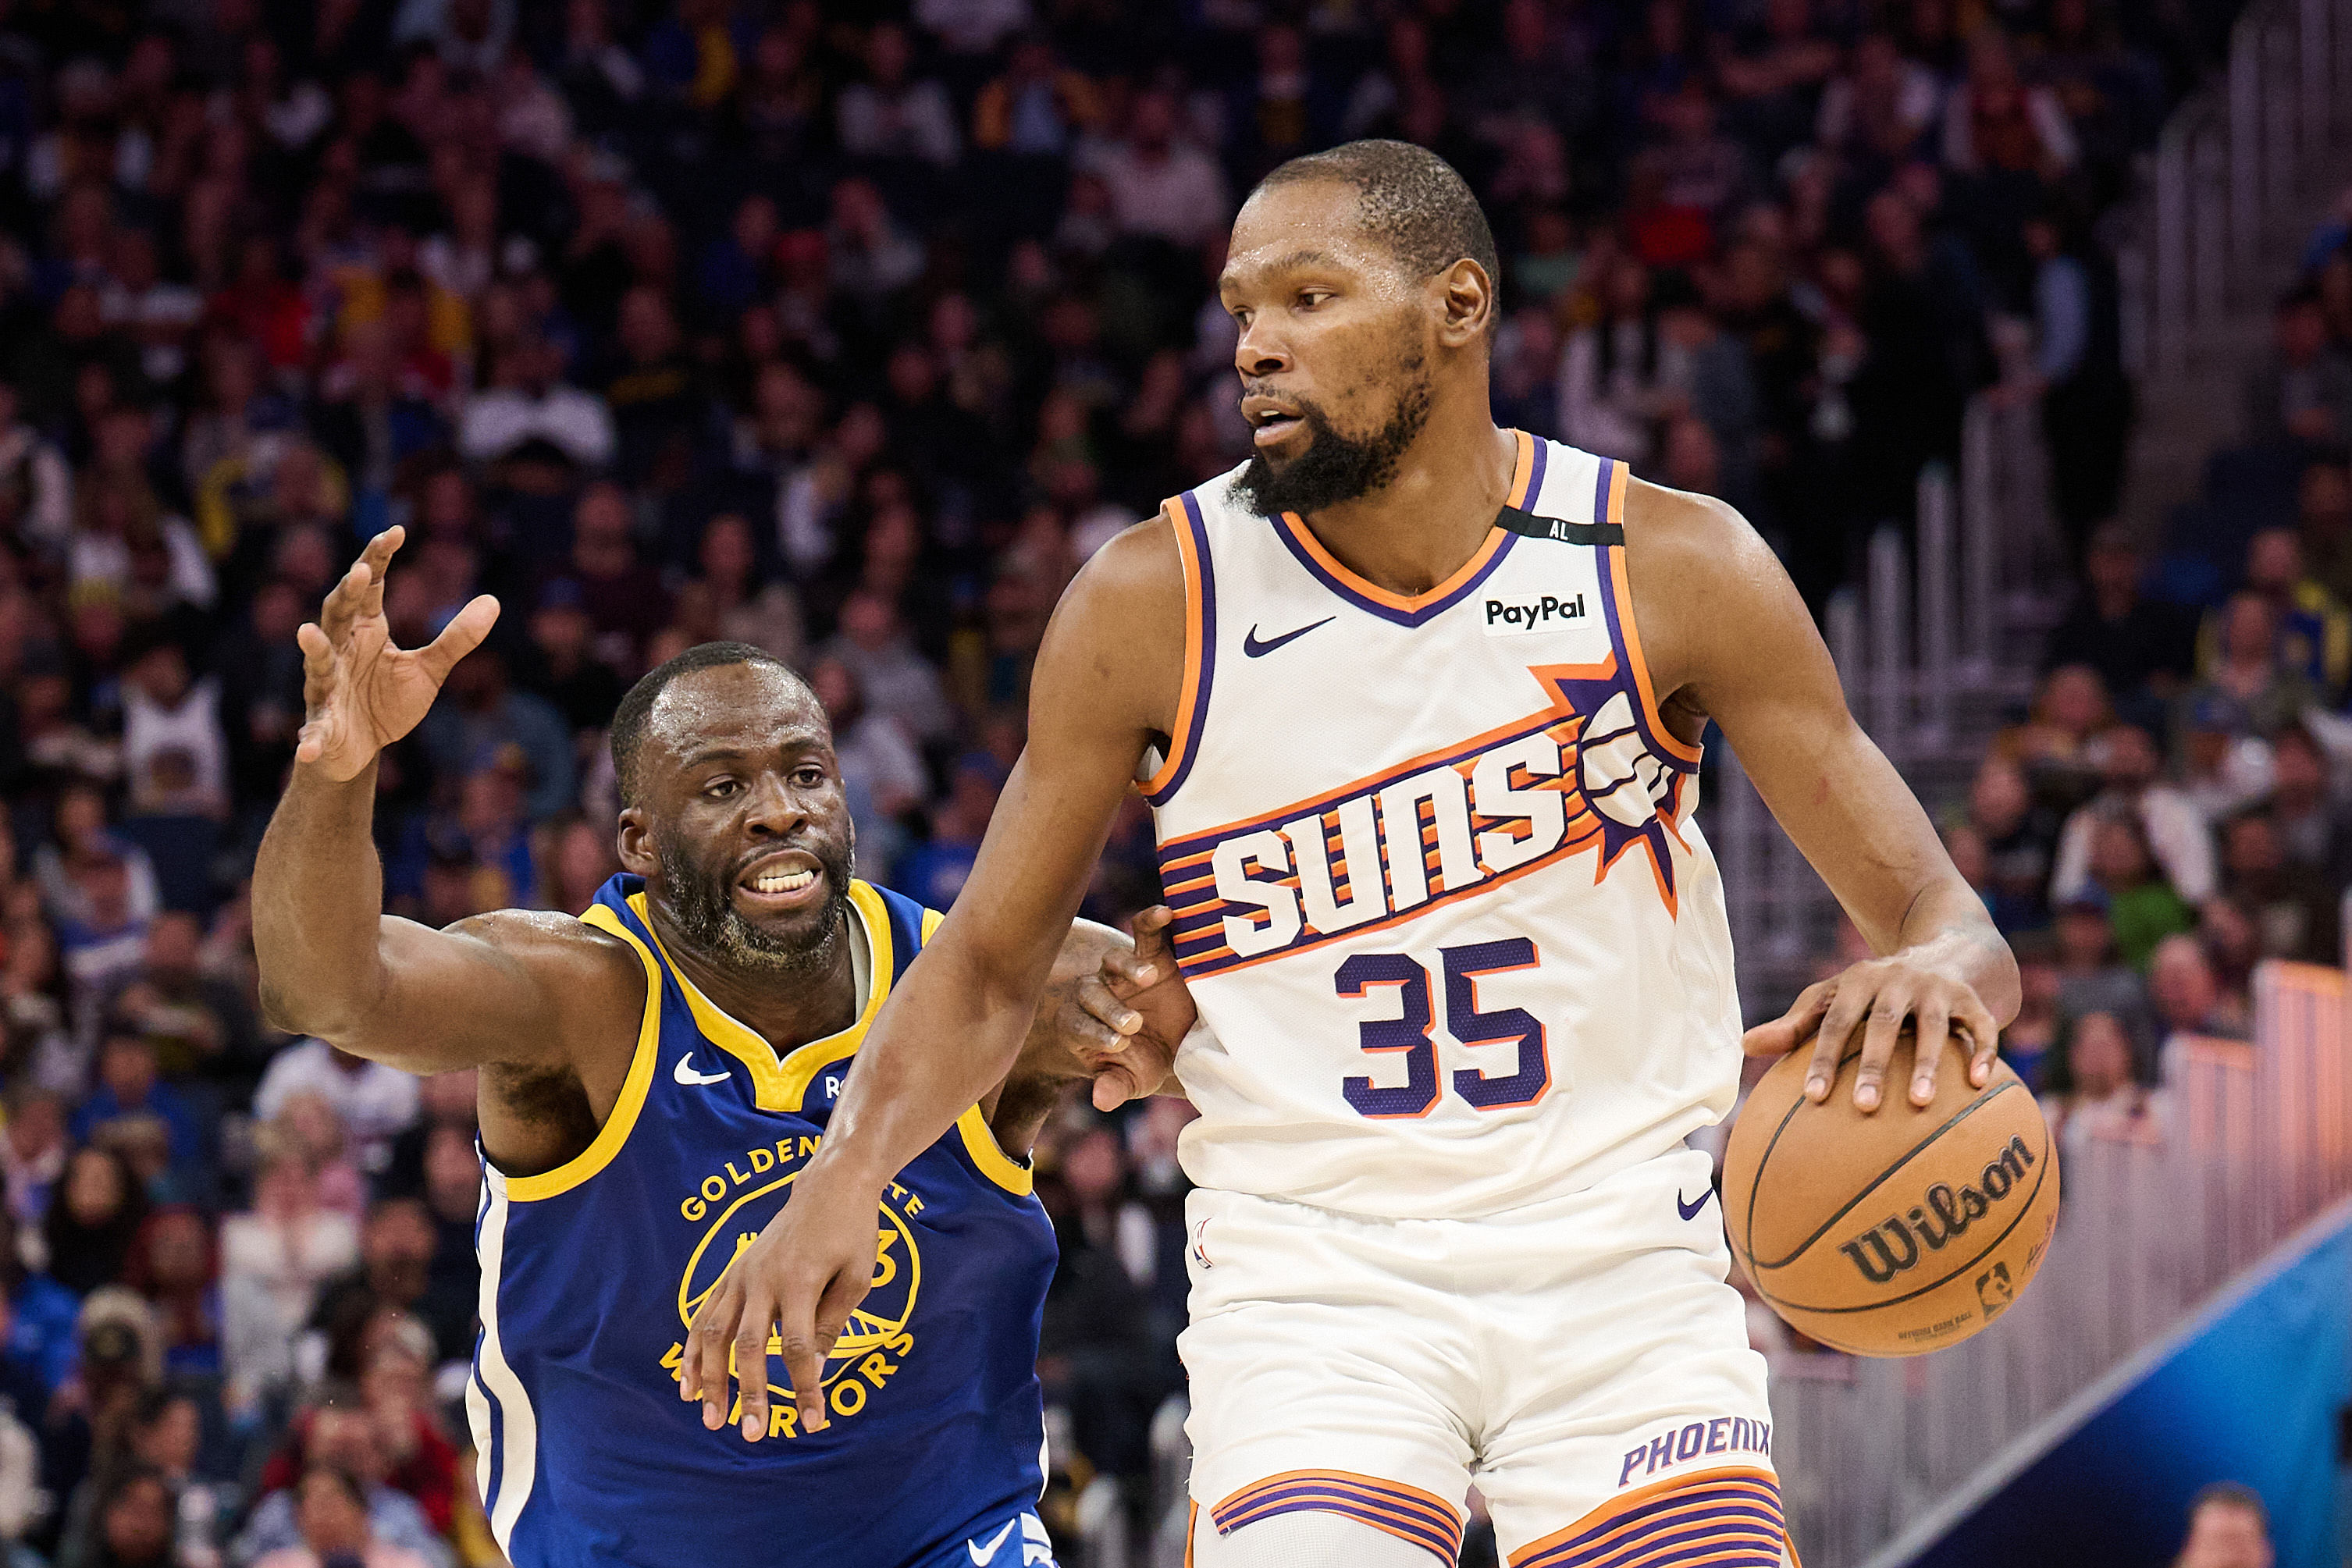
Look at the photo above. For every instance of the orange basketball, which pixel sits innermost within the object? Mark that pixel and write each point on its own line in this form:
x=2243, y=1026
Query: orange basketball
x=1899, y=1232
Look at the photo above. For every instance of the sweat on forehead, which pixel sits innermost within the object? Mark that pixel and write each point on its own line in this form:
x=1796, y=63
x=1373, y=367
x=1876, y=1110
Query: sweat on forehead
x=719, y=695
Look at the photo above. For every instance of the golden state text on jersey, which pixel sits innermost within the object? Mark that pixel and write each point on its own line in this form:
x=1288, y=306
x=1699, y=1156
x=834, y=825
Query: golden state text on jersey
x=1457, y=942
x=593, y=1273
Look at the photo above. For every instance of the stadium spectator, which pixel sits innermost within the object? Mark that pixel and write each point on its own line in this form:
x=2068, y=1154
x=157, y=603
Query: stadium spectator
x=2054, y=745
x=2188, y=994
x=2304, y=393
x=2228, y=1528
x=2133, y=785
x=173, y=1263
x=272, y=1261
x=891, y=115
x=2142, y=648
x=2292, y=904
x=528, y=401
x=337, y=1432
x=134, y=1522
x=130, y=1087
x=374, y=1102
x=2313, y=628
x=1161, y=185
x=2093, y=979
x=2143, y=908
x=91, y=1222
x=937, y=871
x=2104, y=1100
x=2324, y=520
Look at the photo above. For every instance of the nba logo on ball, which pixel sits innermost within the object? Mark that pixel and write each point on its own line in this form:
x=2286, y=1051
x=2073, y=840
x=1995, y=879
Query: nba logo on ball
x=1899, y=1232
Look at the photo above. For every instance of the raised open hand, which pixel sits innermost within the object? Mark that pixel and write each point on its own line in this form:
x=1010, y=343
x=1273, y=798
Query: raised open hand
x=360, y=692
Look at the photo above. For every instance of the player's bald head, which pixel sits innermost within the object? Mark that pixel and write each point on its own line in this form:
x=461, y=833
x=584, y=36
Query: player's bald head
x=1409, y=201
x=635, y=721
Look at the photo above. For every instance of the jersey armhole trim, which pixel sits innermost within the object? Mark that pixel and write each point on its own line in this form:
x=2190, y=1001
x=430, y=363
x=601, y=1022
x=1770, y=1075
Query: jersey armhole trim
x=634, y=1088
x=989, y=1156
x=1617, y=599
x=1184, y=515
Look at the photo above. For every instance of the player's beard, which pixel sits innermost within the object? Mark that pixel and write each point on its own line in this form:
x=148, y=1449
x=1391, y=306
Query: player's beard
x=704, y=908
x=1337, y=468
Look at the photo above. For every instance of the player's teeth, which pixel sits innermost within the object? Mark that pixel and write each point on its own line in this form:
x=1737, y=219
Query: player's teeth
x=784, y=882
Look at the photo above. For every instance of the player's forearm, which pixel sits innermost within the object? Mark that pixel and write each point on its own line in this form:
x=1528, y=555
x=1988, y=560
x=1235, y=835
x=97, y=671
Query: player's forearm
x=318, y=906
x=949, y=1035
x=1948, y=928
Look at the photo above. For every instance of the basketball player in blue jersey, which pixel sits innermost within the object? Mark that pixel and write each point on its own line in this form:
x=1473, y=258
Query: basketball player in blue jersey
x=655, y=1076
x=1417, y=705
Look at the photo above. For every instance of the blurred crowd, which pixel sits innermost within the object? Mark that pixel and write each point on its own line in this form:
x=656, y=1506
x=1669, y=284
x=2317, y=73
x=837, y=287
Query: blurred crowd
x=849, y=330
x=2177, y=807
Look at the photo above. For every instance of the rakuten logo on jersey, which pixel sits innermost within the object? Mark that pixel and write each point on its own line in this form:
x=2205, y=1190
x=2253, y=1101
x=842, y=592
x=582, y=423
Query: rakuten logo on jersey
x=1518, y=618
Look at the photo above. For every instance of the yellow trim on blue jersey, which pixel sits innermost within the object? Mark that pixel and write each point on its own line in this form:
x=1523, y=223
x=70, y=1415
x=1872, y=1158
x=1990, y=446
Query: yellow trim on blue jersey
x=616, y=1128
x=980, y=1143
x=932, y=921
x=782, y=1084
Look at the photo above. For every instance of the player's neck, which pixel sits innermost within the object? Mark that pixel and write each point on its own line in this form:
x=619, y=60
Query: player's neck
x=787, y=1009
x=1420, y=528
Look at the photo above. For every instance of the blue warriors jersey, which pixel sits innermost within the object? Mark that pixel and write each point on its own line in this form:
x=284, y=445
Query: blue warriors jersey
x=591, y=1272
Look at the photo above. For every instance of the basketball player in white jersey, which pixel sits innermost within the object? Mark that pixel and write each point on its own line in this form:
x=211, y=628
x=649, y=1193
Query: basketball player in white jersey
x=1417, y=704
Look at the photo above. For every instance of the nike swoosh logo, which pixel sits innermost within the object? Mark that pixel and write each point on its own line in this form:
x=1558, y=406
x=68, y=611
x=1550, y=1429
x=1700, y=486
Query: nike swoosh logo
x=981, y=1559
x=1253, y=648
x=1690, y=1210
x=686, y=1074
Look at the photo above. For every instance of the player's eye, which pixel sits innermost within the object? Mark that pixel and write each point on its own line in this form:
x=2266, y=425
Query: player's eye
x=1308, y=298
x=721, y=789
x=809, y=778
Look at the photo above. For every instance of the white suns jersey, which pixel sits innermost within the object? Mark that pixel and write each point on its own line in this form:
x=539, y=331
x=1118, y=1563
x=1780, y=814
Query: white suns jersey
x=1455, y=938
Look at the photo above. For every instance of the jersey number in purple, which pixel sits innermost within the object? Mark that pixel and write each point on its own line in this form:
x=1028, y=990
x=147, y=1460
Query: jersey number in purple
x=1409, y=1032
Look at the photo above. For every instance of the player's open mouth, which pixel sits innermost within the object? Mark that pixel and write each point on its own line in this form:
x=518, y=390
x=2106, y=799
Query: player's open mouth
x=1270, y=419
x=781, y=882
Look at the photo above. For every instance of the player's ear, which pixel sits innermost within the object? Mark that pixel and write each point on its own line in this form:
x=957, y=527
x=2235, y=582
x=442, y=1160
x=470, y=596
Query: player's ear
x=636, y=842
x=1466, y=297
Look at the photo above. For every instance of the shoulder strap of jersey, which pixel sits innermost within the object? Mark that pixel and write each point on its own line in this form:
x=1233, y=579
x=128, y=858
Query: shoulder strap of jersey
x=910, y=927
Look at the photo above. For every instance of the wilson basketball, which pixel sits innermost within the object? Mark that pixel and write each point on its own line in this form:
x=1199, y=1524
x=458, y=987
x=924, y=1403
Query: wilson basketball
x=1899, y=1232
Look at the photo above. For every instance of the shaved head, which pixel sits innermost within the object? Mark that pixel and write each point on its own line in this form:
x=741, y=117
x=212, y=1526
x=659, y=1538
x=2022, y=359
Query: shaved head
x=635, y=710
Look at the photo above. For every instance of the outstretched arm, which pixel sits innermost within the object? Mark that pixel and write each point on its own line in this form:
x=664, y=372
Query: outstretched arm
x=332, y=964
x=1105, y=682
x=1733, y=641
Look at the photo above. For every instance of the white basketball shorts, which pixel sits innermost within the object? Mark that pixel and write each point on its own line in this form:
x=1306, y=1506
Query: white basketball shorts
x=1581, y=1358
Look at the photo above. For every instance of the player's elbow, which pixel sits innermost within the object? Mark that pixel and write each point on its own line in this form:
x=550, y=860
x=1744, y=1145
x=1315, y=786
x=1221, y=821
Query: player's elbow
x=292, y=1010
x=299, y=1003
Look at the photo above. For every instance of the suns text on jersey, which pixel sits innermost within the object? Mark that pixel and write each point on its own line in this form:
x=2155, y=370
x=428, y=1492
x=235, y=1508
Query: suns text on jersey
x=1577, y=775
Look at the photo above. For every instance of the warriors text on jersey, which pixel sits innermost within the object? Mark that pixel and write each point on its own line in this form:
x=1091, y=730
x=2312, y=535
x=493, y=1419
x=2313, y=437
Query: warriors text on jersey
x=591, y=1272
x=1455, y=938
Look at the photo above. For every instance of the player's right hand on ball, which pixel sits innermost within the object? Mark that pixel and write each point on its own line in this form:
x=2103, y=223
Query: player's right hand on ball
x=360, y=692
x=801, y=1276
